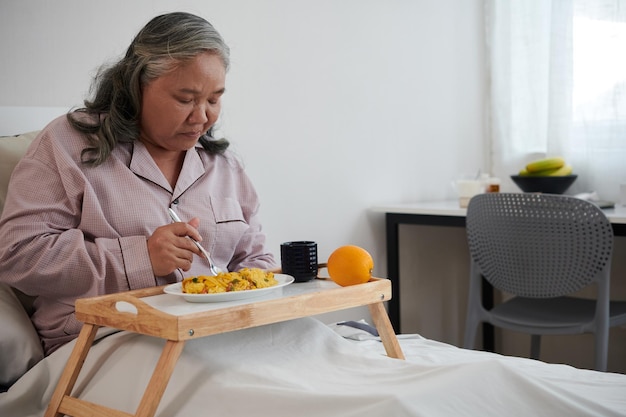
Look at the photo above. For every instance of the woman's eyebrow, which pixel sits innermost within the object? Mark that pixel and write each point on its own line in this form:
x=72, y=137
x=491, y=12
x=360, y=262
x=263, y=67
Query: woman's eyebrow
x=194, y=91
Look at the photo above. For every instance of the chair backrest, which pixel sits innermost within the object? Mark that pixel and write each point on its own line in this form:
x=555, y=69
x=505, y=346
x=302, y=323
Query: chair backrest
x=538, y=245
x=12, y=148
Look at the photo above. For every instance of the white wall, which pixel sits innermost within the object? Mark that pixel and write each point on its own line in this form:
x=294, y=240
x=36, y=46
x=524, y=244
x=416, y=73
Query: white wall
x=335, y=106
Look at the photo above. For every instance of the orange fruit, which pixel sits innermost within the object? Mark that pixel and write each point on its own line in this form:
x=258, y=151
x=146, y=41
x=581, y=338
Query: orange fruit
x=350, y=265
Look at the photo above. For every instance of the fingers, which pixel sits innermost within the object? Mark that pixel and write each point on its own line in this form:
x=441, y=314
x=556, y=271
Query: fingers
x=187, y=229
x=170, y=249
x=195, y=222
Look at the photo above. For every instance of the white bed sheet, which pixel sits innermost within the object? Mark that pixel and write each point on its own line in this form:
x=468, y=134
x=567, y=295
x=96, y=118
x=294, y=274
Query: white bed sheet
x=306, y=368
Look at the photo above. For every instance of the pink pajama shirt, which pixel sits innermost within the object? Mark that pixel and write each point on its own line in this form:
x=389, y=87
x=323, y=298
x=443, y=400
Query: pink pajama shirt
x=70, y=231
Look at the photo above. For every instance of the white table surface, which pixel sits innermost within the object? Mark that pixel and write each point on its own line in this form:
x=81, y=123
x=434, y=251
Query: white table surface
x=451, y=208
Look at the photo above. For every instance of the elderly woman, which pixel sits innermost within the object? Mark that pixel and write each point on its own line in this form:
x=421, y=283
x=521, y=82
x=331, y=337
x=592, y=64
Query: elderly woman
x=87, y=207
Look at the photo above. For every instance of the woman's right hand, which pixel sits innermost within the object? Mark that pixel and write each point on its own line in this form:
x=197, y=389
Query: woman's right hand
x=170, y=249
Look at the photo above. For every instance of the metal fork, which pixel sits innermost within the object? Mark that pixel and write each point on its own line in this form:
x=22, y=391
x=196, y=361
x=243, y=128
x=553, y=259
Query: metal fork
x=214, y=269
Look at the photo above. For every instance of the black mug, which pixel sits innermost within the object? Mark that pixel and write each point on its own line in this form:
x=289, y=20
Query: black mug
x=299, y=259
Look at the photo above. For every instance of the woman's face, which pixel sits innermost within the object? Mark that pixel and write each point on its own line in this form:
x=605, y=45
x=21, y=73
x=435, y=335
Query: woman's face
x=181, y=105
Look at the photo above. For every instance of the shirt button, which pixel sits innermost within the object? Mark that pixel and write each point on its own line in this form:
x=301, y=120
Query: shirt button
x=175, y=202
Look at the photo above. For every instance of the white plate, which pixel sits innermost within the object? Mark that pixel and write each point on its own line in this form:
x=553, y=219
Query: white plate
x=177, y=289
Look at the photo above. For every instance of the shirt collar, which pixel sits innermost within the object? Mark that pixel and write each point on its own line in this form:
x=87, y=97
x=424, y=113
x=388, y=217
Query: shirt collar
x=142, y=164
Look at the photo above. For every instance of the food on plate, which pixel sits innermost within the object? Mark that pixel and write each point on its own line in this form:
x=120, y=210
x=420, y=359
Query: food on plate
x=547, y=167
x=350, y=265
x=245, y=279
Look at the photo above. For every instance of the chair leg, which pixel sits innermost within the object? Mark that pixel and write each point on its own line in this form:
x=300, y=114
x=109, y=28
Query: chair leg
x=602, y=348
x=474, y=307
x=535, y=346
x=471, y=328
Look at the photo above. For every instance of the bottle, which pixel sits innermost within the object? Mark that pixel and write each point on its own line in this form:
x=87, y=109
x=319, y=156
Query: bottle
x=493, y=185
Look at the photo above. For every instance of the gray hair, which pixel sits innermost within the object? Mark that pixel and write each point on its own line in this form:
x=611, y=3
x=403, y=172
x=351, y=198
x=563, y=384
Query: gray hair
x=163, y=43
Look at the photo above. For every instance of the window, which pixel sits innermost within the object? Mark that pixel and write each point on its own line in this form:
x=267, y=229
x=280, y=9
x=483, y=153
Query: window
x=558, y=84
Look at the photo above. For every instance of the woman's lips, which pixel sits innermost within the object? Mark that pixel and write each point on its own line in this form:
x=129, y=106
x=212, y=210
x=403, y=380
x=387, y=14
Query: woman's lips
x=194, y=135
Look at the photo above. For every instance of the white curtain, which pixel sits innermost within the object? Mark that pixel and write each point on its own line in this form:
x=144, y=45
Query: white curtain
x=558, y=88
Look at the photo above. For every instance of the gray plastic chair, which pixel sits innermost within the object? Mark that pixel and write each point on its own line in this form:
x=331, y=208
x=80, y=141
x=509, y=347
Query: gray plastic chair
x=539, y=249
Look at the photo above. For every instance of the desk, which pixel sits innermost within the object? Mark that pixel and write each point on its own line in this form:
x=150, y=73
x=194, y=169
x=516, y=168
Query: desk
x=447, y=214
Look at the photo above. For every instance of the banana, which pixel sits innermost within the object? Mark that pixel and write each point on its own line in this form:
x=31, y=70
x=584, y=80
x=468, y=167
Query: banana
x=561, y=172
x=554, y=172
x=545, y=173
x=545, y=164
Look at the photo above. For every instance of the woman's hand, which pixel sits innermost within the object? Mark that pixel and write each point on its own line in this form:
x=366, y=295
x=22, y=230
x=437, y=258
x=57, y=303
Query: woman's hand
x=170, y=249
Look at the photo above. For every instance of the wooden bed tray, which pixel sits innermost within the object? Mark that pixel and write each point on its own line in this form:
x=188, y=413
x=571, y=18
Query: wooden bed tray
x=150, y=312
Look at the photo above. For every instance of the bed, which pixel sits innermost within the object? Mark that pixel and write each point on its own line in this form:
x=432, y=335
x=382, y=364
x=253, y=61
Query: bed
x=299, y=367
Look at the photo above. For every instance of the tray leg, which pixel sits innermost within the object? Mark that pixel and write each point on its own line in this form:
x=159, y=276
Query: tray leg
x=72, y=369
x=160, y=378
x=385, y=330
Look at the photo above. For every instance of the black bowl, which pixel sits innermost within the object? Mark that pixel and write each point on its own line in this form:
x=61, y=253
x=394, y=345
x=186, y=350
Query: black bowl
x=547, y=185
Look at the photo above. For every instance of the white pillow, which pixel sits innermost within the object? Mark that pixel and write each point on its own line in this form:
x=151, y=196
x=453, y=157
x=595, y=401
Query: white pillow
x=20, y=347
x=12, y=148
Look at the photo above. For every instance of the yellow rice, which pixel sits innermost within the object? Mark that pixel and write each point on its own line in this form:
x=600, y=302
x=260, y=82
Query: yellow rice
x=245, y=279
